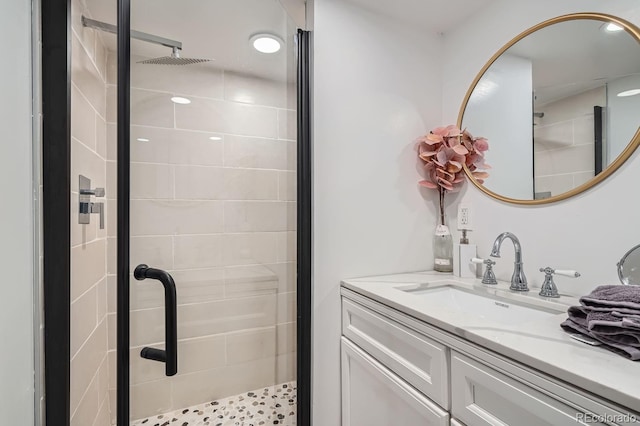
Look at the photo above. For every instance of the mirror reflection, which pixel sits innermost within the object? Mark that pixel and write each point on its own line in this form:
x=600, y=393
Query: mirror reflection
x=559, y=106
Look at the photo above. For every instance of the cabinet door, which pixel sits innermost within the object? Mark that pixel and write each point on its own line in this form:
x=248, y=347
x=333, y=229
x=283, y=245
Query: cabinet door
x=455, y=422
x=420, y=361
x=374, y=396
x=481, y=396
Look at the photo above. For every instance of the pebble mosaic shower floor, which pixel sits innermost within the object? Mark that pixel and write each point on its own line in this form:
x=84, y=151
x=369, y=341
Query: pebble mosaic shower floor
x=274, y=405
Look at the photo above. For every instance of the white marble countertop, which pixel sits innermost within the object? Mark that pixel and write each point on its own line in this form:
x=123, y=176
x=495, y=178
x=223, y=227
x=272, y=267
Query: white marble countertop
x=542, y=344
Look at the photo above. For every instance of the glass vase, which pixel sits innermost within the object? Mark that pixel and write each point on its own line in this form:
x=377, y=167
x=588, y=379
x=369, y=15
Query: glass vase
x=443, y=249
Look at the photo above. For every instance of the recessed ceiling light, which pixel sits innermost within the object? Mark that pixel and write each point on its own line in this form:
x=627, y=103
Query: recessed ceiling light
x=627, y=93
x=215, y=138
x=613, y=27
x=142, y=140
x=180, y=100
x=266, y=43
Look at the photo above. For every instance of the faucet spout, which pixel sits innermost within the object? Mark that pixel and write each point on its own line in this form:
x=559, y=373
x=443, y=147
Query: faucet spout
x=518, y=279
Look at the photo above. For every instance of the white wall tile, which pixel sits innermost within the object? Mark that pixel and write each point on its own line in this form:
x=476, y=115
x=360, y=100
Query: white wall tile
x=86, y=362
x=203, y=319
x=553, y=136
x=88, y=406
x=101, y=136
x=583, y=131
x=199, y=183
x=198, y=251
x=149, y=108
x=240, y=151
x=202, y=79
x=150, y=398
x=169, y=217
x=85, y=76
x=255, y=280
x=219, y=383
x=247, y=184
x=287, y=246
x=250, y=249
x=199, y=285
x=286, y=307
x=227, y=117
x=83, y=318
x=153, y=181
x=287, y=124
x=88, y=266
x=195, y=148
x=86, y=162
x=248, y=216
x=286, y=335
x=156, y=252
x=192, y=286
x=249, y=345
x=253, y=90
x=287, y=186
x=83, y=119
x=201, y=354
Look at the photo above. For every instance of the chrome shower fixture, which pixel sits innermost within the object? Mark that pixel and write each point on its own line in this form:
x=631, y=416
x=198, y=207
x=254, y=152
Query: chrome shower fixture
x=176, y=46
x=174, y=59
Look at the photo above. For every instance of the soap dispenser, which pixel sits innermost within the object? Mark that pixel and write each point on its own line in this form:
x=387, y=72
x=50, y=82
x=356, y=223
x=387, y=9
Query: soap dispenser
x=463, y=252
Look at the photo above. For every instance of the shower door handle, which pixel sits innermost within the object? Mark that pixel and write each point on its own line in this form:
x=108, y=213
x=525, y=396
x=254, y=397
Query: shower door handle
x=170, y=354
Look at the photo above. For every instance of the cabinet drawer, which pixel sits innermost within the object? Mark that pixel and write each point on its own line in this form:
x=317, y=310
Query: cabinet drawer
x=483, y=396
x=374, y=396
x=419, y=360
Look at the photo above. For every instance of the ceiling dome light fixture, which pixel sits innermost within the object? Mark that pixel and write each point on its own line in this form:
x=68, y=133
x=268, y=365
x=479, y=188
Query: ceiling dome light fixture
x=627, y=93
x=215, y=138
x=266, y=43
x=180, y=100
x=611, y=27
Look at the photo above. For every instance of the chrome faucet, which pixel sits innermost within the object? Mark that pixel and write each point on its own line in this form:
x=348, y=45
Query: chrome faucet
x=518, y=280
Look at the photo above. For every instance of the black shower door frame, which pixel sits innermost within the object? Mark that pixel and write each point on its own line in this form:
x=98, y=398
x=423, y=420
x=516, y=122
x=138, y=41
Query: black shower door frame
x=56, y=212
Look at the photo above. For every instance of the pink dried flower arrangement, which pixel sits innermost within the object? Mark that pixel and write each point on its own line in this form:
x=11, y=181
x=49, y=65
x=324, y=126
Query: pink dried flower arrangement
x=443, y=152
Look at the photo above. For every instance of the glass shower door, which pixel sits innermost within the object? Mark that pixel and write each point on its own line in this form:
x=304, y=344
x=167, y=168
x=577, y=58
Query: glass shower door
x=212, y=214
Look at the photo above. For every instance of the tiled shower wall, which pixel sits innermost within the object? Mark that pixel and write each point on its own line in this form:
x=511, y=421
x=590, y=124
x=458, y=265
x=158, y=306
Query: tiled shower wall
x=564, y=142
x=89, y=362
x=220, y=216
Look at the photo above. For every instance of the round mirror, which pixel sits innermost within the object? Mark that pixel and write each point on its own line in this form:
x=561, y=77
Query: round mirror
x=629, y=267
x=560, y=106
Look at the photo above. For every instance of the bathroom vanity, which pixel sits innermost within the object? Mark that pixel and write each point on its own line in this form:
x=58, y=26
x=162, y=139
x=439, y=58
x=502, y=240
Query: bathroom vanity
x=433, y=349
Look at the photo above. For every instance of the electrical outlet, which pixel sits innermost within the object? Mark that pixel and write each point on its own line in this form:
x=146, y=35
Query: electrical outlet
x=464, y=217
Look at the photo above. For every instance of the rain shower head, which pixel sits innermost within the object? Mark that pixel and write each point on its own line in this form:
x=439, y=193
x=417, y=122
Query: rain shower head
x=174, y=59
x=176, y=46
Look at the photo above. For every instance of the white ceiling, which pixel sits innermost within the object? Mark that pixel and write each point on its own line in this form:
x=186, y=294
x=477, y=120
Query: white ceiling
x=438, y=15
x=220, y=29
x=211, y=29
x=575, y=56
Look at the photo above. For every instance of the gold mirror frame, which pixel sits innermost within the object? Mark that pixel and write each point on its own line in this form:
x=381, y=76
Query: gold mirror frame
x=632, y=30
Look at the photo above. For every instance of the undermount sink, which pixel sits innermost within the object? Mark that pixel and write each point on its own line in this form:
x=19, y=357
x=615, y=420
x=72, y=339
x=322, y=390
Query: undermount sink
x=486, y=304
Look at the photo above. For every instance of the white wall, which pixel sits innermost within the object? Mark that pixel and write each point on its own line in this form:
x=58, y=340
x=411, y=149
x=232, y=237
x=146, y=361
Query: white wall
x=622, y=114
x=589, y=232
x=505, y=91
x=375, y=91
x=16, y=249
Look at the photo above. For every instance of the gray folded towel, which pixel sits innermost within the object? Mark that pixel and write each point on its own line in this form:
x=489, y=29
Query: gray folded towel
x=612, y=329
x=611, y=315
x=613, y=296
x=630, y=352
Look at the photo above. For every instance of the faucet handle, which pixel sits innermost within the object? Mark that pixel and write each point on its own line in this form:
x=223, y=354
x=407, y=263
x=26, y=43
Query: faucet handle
x=488, y=277
x=549, y=288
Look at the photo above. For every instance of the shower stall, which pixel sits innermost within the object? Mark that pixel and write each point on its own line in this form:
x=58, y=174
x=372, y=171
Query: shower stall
x=188, y=239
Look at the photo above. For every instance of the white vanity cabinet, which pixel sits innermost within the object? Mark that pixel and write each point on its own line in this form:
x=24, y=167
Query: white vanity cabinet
x=375, y=396
x=397, y=370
